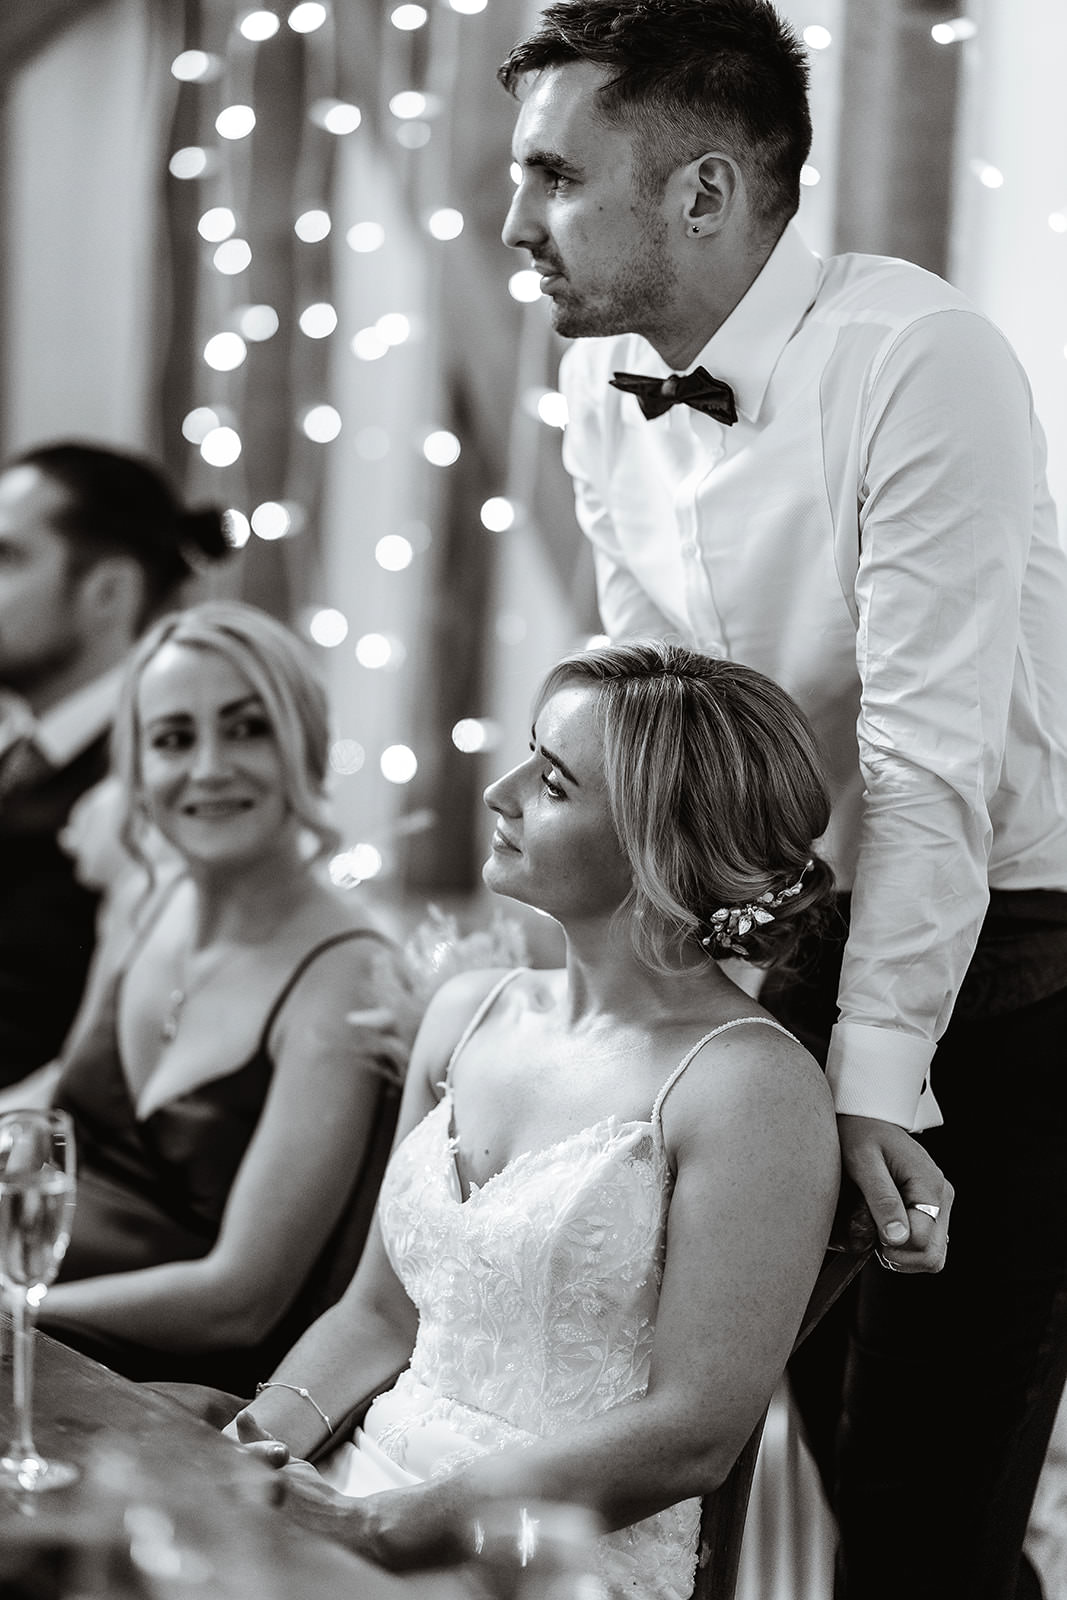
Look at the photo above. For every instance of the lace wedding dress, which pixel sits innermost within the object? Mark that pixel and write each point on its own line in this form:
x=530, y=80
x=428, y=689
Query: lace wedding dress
x=537, y=1299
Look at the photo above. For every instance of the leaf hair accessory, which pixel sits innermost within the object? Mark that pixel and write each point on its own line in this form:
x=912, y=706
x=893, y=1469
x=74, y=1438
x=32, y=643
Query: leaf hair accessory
x=729, y=925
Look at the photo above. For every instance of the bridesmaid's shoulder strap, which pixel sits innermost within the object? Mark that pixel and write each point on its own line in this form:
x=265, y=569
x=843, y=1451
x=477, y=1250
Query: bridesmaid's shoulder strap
x=305, y=962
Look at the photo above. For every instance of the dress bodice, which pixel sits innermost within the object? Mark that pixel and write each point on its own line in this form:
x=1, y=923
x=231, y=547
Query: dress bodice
x=537, y=1295
x=537, y=1299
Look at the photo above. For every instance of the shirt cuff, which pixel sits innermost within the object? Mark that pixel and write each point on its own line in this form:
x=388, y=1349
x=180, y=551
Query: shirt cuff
x=881, y=1072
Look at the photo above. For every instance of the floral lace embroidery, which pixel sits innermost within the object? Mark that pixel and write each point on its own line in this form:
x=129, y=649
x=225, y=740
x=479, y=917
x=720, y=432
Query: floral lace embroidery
x=537, y=1300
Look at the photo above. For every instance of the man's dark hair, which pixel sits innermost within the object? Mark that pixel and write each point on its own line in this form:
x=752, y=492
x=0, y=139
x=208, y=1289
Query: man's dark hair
x=120, y=504
x=687, y=76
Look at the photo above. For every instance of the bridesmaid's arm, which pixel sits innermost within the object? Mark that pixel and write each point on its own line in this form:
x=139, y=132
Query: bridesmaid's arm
x=33, y=1092
x=291, y=1186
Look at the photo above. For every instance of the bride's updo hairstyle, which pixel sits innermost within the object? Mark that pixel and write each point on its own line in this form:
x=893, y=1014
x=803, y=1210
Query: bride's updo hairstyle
x=279, y=669
x=717, y=793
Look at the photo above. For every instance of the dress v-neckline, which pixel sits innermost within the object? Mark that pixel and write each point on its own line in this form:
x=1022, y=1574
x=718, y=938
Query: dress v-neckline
x=611, y=1120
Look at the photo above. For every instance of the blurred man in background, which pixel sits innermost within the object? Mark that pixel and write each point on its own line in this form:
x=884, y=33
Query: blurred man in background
x=93, y=544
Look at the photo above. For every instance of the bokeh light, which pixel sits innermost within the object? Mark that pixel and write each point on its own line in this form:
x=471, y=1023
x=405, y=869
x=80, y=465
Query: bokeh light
x=195, y=66
x=954, y=32
x=497, y=514
x=221, y=447
x=271, y=520
x=418, y=535
x=987, y=174
x=407, y=104
x=472, y=734
x=225, y=351
x=393, y=552
x=216, y=224
x=198, y=423
x=552, y=409
x=328, y=627
x=369, y=344
x=441, y=448
x=191, y=161
x=258, y=322
x=394, y=327
x=363, y=237
x=398, y=763
x=408, y=17
x=446, y=223
x=233, y=256
x=347, y=756
x=376, y=650
x=305, y=18
x=235, y=122
x=319, y=320
x=322, y=423
x=354, y=866
x=259, y=25
x=313, y=225
x=817, y=37
x=413, y=135
x=525, y=285
x=336, y=116
x=236, y=527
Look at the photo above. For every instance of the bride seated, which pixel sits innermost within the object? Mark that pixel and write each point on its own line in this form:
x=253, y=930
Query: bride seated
x=613, y=1183
x=224, y=1117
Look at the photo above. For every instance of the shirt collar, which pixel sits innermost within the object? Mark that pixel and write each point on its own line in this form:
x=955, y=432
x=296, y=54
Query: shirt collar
x=70, y=726
x=745, y=350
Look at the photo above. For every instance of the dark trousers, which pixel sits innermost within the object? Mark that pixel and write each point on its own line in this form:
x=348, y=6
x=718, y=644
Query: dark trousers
x=928, y=1400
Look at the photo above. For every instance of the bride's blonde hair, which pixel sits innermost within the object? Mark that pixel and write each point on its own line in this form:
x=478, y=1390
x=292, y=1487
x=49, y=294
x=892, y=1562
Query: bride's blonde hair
x=717, y=794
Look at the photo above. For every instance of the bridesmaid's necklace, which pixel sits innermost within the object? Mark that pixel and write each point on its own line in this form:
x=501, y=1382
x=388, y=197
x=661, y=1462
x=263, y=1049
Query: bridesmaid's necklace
x=172, y=1015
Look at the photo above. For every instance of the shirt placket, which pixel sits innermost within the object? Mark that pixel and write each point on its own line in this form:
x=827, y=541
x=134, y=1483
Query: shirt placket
x=704, y=448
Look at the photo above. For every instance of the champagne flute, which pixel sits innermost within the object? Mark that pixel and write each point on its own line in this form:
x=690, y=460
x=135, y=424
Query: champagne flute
x=36, y=1208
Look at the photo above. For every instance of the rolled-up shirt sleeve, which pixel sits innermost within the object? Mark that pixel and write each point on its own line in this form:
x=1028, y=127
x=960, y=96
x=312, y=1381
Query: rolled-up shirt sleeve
x=945, y=520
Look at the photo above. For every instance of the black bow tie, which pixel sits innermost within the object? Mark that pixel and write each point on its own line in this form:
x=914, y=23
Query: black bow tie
x=697, y=389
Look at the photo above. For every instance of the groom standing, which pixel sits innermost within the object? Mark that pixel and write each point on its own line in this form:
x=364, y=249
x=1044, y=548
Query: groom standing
x=831, y=471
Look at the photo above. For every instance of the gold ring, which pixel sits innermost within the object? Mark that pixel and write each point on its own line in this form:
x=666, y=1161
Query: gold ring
x=931, y=1211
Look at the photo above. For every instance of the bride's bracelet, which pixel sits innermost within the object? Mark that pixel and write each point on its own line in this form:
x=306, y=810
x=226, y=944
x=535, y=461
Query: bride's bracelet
x=276, y=1383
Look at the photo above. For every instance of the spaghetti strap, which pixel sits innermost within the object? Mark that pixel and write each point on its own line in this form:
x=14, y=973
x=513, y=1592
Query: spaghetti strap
x=301, y=967
x=477, y=1019
x=724, y=1027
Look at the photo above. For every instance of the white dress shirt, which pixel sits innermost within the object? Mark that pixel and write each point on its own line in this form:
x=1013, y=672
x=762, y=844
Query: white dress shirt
x=875, y=533
x=66, y=728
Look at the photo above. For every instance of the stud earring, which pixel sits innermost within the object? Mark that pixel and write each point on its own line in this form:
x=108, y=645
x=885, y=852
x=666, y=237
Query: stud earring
x=696, y=230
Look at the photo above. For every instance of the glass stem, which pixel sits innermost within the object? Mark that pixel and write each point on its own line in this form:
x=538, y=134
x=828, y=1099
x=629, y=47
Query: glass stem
x=22, y=1444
